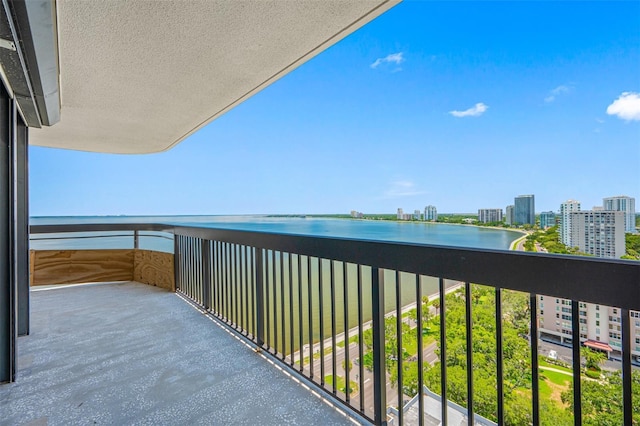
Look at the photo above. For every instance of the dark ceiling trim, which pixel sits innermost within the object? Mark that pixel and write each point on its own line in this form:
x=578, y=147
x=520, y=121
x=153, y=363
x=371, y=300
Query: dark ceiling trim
x=32, y=69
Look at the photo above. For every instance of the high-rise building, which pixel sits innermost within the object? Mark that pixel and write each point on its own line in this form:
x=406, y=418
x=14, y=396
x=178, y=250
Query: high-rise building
x=627, y=205
x=524, y=210
x=489, y=215
x=430, y=213
x=400, y=214
x=600, y=233
x=547, y=219
x=417, y=215
x=508, y=215
x=564, y=228
x=600, y=326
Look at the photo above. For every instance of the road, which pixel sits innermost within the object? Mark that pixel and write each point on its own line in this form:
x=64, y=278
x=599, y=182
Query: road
x=565, y=355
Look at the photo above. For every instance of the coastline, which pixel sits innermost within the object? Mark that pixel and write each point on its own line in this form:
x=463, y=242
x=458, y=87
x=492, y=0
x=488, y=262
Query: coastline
x=512, y=246
x=515, y=243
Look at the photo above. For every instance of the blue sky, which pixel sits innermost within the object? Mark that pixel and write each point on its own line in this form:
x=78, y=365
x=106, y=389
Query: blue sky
x=462, y=105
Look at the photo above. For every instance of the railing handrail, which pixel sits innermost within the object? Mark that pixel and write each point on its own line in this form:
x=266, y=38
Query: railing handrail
x=610, y=282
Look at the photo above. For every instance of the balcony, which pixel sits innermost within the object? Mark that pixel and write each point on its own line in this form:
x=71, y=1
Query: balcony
x=129, y=353
x=334, y=314
x=290, y=298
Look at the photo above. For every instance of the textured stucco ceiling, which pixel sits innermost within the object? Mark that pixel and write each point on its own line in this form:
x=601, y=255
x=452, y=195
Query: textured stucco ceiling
x=140, y=76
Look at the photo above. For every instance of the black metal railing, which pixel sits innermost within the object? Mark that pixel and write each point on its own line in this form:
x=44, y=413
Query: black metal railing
x=319, y=305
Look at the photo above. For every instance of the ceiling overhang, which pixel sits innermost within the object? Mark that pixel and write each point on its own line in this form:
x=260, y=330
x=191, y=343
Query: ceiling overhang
x=141, y=76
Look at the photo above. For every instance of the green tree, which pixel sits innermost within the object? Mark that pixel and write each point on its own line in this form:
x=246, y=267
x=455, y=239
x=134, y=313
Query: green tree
x=593, y=359
x=602, y=400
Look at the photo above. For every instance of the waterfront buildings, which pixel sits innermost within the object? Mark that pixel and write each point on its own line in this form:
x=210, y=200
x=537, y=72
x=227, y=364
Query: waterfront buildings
x=524, y=210
x=430, y=213
x=564, y=229
x=547, y=219
x=627, y=205
x=599, y=233
x=401, y=215
x=417, y=215
x=489, y=215
x=509, y=215
x=600, y=326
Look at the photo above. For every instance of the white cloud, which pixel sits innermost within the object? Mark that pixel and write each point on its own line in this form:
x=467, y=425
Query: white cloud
x=474, y=111
x=560, y=90
x=394, y=58
x=626, y=107
x=402, y=188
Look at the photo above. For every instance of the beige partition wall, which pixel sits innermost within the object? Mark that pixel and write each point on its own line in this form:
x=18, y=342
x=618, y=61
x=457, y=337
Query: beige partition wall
x=82, y=266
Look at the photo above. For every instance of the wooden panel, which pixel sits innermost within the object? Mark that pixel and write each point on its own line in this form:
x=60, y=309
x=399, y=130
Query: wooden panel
x=154, y=268
x=81, y=266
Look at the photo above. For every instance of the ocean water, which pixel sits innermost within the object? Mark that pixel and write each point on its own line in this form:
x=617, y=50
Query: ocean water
x=411, y=232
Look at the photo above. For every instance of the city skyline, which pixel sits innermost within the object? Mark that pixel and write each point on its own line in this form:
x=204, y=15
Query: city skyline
x=622, y=203
x=413, y=109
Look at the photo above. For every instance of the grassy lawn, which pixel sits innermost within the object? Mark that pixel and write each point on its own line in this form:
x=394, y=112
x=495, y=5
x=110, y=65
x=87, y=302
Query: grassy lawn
x=327, y=351
x=340, y=384
x=543, y=363
x=545, y=390
x=352, y=339
x=557, y=378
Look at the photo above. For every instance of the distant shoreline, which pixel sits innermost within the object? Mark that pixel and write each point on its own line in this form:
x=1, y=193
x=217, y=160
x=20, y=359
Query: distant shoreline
x=425, y=222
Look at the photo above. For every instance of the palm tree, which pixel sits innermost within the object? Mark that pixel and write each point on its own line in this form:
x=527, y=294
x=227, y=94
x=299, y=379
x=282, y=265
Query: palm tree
x=436, y=304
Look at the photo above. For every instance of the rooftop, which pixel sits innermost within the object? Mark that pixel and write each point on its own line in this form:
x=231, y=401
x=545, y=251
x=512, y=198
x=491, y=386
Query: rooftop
x=128, y=353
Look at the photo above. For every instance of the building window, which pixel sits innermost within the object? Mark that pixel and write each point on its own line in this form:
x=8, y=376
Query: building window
x=597, y=323
x=597, y=314
x=597, y=331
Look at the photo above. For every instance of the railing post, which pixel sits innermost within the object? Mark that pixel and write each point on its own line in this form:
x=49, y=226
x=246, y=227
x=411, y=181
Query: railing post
x=259, y=283
x=379, y=371
x=444, y=402
x=206, y=274
x=176, y=261
x=469, y=336
x=575, y=344
x=499, y=356
x=533, y=338
x=627, y=389
x=136, y=242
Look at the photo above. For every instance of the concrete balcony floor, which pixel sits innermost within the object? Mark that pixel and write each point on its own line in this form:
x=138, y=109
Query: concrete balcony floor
x=123, y=354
